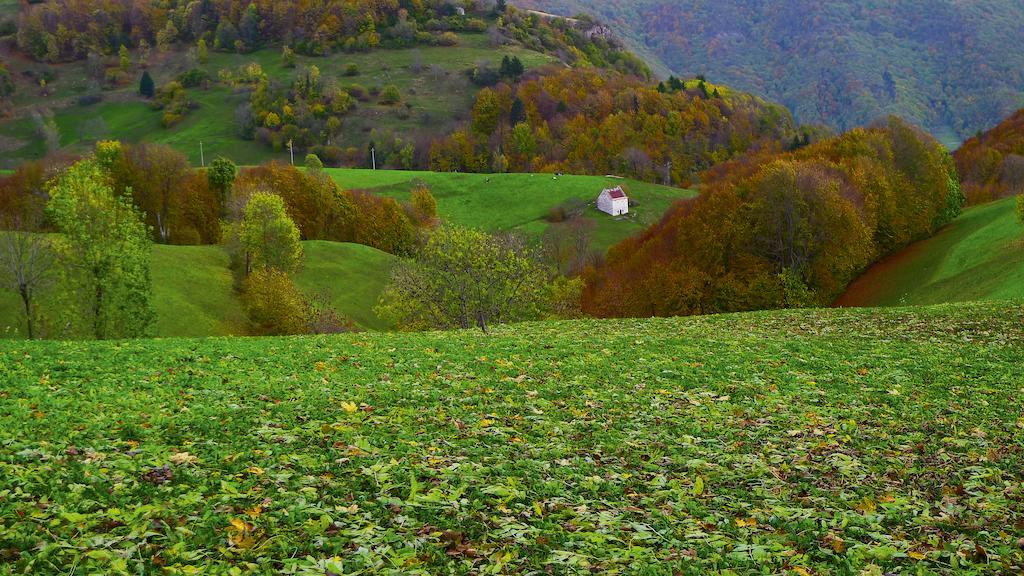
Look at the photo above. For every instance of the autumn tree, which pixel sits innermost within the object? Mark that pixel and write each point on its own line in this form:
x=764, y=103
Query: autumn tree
x=424, y=205
x=153, y=174
x=460, y=278
x=782, y=229
x=273, y=303
x=104, y=248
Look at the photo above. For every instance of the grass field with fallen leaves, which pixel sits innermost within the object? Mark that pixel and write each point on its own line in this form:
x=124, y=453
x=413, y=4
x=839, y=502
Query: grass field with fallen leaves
x=796, y=442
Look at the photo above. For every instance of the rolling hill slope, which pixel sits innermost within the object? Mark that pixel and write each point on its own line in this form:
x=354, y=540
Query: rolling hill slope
x=437, y=96
x=979, y=256
x=495, y=202
x=193, y=294
x=790, y=442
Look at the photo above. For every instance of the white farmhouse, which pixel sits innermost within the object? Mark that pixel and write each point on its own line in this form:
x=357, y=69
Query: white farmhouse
x=613, y=201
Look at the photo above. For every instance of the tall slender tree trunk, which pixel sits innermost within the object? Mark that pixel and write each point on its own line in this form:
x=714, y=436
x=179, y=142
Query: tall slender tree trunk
x=97, y=311
x=26, y=300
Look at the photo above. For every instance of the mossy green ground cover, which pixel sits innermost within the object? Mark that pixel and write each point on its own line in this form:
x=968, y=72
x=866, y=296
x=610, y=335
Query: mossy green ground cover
x=793, y=442
x=979, y=256
x=496, y=202
x=193, y=293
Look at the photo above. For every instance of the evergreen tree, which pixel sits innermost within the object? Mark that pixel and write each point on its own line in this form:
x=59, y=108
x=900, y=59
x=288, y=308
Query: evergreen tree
x=147, y=87
x=518, y=112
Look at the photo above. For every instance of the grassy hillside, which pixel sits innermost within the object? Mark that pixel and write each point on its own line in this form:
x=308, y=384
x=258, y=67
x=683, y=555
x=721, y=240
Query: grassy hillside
x=795, y=442
x=437, y=93
x=980, y=256
x=520, y=201
x=351, y=276
x=949, y=66
x=193, y=294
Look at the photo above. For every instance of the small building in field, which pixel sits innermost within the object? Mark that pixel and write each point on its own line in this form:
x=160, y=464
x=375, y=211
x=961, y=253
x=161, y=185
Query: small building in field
x=613, y=201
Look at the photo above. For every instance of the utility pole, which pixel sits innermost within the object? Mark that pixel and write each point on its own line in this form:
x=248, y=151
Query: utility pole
x=202, y=158
x=373, y=157
x=291, y=151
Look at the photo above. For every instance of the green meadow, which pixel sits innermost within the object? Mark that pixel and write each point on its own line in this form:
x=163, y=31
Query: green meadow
x=881, y=441
x=979, y=256
x=521, y=202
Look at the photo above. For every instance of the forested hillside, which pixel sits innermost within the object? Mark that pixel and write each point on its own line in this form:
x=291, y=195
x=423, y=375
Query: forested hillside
x=953, y=67
x=783, y=230
x=992, y=164
x=247, y=80
x=588, y=121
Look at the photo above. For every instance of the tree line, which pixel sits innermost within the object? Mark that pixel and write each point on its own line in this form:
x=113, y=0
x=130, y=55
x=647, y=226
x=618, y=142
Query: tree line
x=68, y=30
x=783, y=229
x=185, y=205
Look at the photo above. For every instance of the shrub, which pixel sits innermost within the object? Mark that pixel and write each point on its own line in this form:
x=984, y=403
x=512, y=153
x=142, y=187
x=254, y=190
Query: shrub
x=330, y=155
x=1020, y=208
x=352, y=70
x=390, y=95
x=90, y=99
x=358, y=91
x=324, y=319
x=484, y=75
x=194, y=77
x=448, y=39
x=273, y=303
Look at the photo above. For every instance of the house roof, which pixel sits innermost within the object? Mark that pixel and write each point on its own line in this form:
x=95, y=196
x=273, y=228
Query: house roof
x=616, y=192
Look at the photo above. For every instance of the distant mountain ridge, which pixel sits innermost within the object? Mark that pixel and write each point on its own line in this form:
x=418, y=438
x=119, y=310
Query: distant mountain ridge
x=952, y=67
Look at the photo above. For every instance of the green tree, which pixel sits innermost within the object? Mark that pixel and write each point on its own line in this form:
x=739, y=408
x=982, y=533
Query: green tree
x=269, y=237
x=124, y=58
x=287, y=57
x=147, y=87
x=105, y=249
x=221, y=176
x=166, y=37
x=202, y=53
x=313, y=162
x=460, y=278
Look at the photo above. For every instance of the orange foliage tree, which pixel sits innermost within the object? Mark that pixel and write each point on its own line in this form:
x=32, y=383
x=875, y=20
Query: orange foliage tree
x=991, y=165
